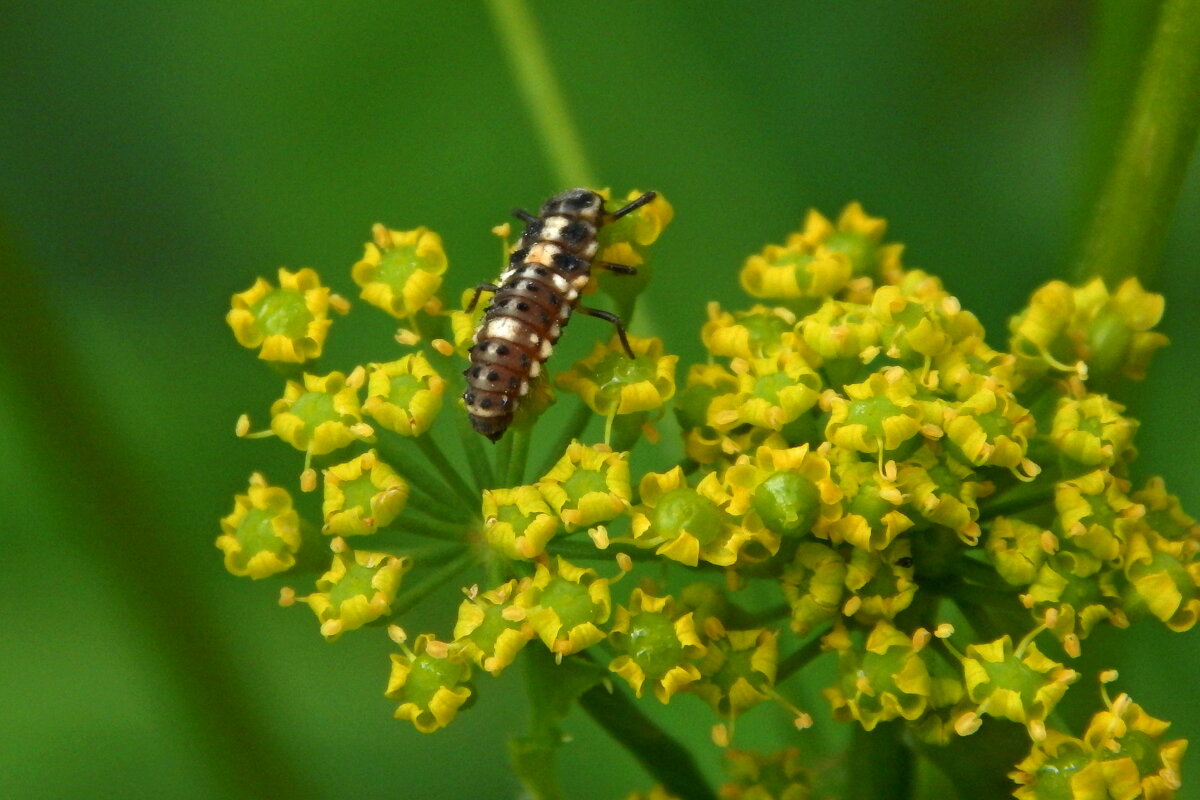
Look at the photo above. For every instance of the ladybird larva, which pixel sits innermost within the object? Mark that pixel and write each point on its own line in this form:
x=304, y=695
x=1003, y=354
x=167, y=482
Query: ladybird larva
x=533, y=301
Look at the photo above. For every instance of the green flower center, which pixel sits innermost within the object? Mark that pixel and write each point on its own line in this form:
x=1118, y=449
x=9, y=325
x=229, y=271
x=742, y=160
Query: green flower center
x=871, y=413
x=427, y=675
x=653, y=644
x=489, y=631
x=583, y=482
x=787, y=502
x=398, y=265
x=765, y=331
x=856, y=247
x=512, y=516
x=799, y=263
x=256, y=532
x=358, y=494
x=869, y=505
x=570, y=601
x=616, y=370
x=682, y=511
x=403, y=388
x=1141, y=748
x=1053, y=778
x=356, y=582
x=283, y=312
x=315, y=408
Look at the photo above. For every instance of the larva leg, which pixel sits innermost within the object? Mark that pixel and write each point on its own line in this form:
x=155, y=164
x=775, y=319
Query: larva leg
x=525, y=216
x=633, y=206
x=480, y=289
x=620, y=269
x=615, y=320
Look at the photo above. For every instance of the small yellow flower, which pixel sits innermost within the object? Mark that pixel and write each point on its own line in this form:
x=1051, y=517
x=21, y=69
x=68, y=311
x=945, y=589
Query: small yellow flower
x=771, y=393
x=871, y=517
x=358, y=588
x=491, y=630
x=430, y=682
x=400, y=271
x=1097, y=514
x=1021, y=685
x=944, y=491
x=1163, y=579
x=738, y=670
x=842, y=330
x=755, y=776
x=657, y=645
x=289, y=324
x=756, y=333
x=1091, y=430
x=404, y=396
x=881, y=583
x=610, y=382
x=518, y=522
x=990, y=428
x=588, y=485
x=261, y=535
x=319, y=415
x=879, y=415
x=881, y=680
x=566, y=606
x=1018, y=549
x=789, y=489
x=362, y=495
x=795, y=270
x=685, y=524
x=814, y=584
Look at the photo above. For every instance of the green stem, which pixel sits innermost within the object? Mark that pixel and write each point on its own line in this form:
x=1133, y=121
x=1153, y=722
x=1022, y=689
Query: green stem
x=540, y=91
x=477, y=457
x=504, y=456
x=515, y=474
x=879, y=764
x=432, y=581
x=431, y=506
x=449, y=474
x=1019, y=498
x=433, y=529
x=1130, y=220
x=667, y=761
x=447, y=504
x=799, y=659
x=567, y=433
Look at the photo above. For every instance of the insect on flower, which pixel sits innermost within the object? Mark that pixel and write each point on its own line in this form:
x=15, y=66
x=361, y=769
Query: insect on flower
x=533, y=303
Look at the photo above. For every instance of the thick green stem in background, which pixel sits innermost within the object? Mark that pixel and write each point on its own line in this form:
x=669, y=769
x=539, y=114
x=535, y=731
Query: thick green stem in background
x=879, y=765
x=667, y=761
x=1130, y=220
x=540, y=91
x=101, y=477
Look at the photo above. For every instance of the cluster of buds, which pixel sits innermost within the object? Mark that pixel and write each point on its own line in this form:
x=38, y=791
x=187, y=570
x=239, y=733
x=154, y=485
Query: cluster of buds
x=861, y=475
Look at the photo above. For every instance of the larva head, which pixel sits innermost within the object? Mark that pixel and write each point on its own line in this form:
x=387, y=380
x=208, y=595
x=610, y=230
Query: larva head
x=578, y=203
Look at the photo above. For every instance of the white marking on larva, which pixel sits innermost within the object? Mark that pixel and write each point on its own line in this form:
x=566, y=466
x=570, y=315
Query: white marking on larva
x=570, y=295
x=480, y=411
x=524, y=388
x=580, y=281
x=547, y=350
x=552, y=227
x=554, y=332
x=535, y=369
x=514, y=330
x=561, y=284
x=508, y=273
x=588, y=251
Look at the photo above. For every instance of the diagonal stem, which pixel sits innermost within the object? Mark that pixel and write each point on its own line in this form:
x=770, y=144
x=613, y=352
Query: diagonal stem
x=1130, y=221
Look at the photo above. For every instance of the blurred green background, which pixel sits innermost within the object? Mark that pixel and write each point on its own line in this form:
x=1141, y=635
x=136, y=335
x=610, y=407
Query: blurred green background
x=156, y=157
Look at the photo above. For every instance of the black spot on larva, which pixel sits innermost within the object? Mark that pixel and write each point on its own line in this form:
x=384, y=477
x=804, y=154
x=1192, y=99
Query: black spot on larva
x=577, y=214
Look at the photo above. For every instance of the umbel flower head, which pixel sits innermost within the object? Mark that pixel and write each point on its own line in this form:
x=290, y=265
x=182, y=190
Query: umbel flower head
x=860, y=482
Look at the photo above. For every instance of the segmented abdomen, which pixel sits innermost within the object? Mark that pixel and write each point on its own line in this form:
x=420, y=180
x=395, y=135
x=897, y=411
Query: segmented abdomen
x=525, y=317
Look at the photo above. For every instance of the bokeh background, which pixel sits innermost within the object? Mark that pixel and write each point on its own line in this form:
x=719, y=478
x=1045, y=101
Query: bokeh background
x=156, y=157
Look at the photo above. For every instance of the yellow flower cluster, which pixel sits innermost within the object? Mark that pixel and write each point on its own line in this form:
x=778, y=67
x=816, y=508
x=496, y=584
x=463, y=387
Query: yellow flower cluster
x=864, y=476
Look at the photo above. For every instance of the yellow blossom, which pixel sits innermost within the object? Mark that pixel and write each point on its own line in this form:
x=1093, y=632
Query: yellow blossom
x=261, y=535
x=610, y=382
x=588, y=485
x=318, y=416
x=288, y=323
x=358, y=588
x=400, y=270
x=404, y=396
x=362, y=495
x=518, y=522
